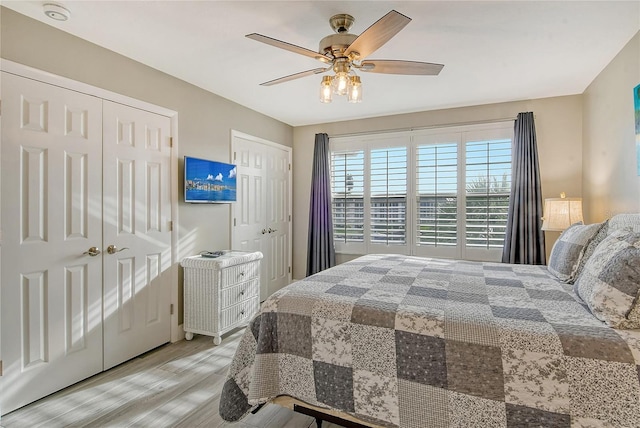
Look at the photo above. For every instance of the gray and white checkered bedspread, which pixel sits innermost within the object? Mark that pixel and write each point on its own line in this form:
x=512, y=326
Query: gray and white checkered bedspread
x=416, y=342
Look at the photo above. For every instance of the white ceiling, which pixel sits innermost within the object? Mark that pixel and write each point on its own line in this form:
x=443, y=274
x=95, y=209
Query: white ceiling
x=492, y=51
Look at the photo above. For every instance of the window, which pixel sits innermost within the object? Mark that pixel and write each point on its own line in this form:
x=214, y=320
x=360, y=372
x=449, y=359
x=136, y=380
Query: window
x=347, y=191
x=437, y=202
x=388, y=195
x=438, y=192
x=488, y=186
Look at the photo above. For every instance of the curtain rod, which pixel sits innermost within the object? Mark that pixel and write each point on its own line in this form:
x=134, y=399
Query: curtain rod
x=447, y=125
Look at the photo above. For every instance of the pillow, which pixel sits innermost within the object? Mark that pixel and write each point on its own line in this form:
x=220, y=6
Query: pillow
x=610, y=280
x=565, y=254
x=588, y=250
x=625, y=221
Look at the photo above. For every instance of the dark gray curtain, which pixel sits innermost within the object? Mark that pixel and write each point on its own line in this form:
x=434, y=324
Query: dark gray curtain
x=321, y=253
x=524, y=240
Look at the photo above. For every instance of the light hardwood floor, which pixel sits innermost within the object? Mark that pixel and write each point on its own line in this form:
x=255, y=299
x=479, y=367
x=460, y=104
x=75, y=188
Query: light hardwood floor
x=176, y=385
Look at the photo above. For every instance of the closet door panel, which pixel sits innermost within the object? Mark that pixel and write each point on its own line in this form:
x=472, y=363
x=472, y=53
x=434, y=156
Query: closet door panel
x=262, y=213
x=51, y=215
x=137, y=208
x=250, y=230
x=278, y=197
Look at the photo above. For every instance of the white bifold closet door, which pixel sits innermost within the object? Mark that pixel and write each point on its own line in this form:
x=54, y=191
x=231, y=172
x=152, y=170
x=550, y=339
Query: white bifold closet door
x=51, y=216
x=137, y=209
x=69, y=310
x=262, y=213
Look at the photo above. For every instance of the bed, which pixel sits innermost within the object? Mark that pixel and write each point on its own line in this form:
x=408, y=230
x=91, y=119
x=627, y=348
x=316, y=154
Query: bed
x=416, y=342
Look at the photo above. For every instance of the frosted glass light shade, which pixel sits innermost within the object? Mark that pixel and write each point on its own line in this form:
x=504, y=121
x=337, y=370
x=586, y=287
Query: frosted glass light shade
x=560, y=213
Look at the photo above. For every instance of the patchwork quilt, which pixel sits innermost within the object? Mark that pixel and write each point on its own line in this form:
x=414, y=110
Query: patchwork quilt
x=416, y=342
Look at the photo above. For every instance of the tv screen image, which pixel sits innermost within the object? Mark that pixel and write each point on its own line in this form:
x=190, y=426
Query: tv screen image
x=207, y=181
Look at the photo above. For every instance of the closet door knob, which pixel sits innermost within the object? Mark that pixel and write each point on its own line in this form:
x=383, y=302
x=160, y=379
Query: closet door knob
x=264, y=231
x=93, y=251
x=112, y=249
x=272, y=230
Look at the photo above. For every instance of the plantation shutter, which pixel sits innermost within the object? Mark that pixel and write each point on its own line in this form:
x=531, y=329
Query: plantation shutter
x=388, y=195
x=437, y=181
x=441, y=192
x=347, y=190
x=488, y=186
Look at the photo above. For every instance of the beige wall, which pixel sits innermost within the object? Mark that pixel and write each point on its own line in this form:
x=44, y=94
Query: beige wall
x=205, y=119
x=558, y=128
x=610, y=180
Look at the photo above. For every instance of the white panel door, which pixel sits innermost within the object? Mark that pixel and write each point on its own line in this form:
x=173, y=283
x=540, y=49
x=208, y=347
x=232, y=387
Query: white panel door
x=278, y=218
x=136, y=207
x=249, y=210
x=262, y=212
x=51, y=216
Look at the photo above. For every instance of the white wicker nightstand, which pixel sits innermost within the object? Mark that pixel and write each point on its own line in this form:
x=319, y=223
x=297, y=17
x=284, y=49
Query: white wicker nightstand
x=220, y=293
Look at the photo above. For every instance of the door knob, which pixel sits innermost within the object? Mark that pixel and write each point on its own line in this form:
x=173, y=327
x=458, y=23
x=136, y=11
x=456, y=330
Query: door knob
x=112, y=249
x=93, y=251
x=264, y=231
x=272, y=230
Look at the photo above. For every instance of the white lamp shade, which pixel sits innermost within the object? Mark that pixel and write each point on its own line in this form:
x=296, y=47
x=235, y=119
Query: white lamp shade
x=560, y=213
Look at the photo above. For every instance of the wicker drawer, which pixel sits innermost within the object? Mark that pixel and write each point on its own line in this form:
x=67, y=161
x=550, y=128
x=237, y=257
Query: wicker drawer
x=238, y=313
x=236, y=294
x=234, y=274
x=220, y=293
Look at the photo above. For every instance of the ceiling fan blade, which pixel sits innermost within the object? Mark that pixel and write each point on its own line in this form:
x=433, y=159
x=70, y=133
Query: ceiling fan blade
x=295, y=76
x=288, y=46
x=378, y=34
x=389, y=66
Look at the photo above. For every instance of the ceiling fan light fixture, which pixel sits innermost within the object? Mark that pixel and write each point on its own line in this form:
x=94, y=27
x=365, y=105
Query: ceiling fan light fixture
x=344, y=53
x=326, y=90
x=355, y=90
x=341, y=83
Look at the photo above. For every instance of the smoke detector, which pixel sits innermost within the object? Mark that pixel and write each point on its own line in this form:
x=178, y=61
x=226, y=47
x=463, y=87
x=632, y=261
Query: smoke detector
x=57, y=12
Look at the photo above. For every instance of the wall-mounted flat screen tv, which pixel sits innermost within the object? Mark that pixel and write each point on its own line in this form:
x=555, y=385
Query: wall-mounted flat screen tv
x=207, y=181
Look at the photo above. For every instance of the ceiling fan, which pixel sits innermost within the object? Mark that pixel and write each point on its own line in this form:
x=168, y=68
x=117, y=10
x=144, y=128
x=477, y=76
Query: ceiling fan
x=344, y=53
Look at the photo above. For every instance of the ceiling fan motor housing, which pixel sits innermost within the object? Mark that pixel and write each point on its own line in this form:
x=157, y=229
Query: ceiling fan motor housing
x=341, y=22
x=336, y=44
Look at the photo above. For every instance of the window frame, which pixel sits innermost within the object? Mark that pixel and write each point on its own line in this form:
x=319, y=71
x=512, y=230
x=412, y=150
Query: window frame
x=411, y=139
x=427, y=138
